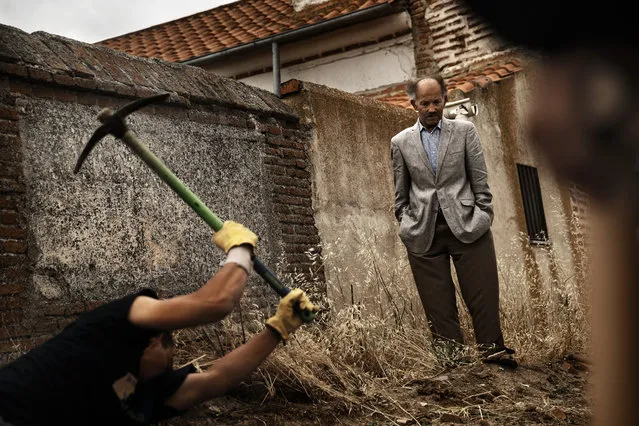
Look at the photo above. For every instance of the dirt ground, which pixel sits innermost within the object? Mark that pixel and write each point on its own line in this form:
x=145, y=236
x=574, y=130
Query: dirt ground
x=474, y=394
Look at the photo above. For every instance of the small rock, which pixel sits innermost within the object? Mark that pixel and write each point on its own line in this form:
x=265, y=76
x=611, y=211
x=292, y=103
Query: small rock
x=566, y=366
x=558, y=414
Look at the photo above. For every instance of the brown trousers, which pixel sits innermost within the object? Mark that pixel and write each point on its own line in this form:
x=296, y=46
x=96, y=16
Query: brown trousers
x=476, y=268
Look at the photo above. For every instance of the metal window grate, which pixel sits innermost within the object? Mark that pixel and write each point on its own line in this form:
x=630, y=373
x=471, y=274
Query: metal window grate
x=533, y=205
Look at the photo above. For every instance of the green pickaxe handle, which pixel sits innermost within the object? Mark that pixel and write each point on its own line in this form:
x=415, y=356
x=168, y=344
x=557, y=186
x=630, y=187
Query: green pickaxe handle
x=209, y=217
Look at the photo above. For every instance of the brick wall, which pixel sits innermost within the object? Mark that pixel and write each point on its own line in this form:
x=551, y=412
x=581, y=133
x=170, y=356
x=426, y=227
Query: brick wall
x=43, y=71
x=424, y=56
x=13, y=233
x=457, y=37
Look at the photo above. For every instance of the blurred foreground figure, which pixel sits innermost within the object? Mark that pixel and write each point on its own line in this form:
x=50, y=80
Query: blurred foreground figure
x=584, y=119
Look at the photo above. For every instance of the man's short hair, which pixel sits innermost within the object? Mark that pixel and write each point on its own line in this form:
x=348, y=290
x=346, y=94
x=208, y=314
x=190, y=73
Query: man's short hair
x=411, y=89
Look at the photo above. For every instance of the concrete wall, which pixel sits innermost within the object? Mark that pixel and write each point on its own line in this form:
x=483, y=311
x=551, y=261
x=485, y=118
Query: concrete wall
x=502, y=127
x=69, y=242
x=353, y=192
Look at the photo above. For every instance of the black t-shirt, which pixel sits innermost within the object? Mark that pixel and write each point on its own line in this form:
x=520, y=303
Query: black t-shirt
x=69, y=379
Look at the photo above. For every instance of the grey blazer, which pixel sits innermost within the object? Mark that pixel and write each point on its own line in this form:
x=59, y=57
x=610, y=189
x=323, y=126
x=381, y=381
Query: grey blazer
x=460, y=187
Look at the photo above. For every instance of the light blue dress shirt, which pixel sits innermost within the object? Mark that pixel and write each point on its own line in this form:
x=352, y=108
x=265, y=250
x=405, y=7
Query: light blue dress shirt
x=430, y=141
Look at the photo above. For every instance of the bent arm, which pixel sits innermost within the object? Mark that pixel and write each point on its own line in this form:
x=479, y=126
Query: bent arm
x=477, y=172
x=210, y=303
x=226, y=373
x=401, y=177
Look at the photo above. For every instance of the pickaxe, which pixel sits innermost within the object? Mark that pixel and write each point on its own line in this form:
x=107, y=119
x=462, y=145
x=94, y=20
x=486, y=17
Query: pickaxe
x=114, y=124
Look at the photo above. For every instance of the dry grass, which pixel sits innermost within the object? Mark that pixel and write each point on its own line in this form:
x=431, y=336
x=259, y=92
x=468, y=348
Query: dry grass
x=358, y=356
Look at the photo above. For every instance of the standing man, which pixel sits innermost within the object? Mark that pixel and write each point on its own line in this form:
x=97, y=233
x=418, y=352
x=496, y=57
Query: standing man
x=114, y=364
x=443, y=205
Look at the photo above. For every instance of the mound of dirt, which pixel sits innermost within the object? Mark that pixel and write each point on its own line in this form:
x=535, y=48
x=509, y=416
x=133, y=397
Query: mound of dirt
x=473, y=394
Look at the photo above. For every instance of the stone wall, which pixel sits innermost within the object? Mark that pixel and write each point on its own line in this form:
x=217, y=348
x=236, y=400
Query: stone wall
x=71, y=241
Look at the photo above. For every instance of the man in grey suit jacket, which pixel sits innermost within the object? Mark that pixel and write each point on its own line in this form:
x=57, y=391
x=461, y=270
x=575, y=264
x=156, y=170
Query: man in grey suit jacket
x=444, y=208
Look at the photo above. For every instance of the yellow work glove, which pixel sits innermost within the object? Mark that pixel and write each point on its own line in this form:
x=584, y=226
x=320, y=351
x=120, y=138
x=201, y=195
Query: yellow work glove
x=233, y=234
x=286, y=321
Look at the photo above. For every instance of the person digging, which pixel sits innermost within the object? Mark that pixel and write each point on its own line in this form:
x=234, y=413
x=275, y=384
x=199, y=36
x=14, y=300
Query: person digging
x=114, y=364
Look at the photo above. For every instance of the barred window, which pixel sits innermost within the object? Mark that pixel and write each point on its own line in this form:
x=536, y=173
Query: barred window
x=533, y=204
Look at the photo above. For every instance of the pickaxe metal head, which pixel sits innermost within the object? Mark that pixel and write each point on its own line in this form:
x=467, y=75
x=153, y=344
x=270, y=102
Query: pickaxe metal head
x=114, y=124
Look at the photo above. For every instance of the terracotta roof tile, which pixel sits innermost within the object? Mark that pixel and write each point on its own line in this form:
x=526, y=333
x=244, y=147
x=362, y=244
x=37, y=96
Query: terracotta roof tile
x=466, y=83
x=227, y=26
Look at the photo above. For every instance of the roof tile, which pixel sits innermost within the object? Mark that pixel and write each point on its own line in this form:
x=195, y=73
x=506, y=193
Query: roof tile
x=464, y=83
x=227, y=26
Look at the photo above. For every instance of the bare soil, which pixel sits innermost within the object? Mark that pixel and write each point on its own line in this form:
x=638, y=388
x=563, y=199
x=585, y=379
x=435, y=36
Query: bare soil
x=473, y=394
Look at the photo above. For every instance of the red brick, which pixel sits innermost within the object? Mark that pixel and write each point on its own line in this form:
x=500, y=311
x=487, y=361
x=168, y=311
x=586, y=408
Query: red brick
x=8, y=113
x=299, y=192
x=277, y=170
x=9, y=126
x=66, y=95
x=125, y=90
x=10, y=317
x=20, y=86
x=87, y=98
x=10, y=302
x=43, y=92
x=9, y=217
x=53, y=310
x=45, y=327
x=8, y=260
x=307, y=239
x=14, y=246
x=10, y=171
x=6, y=201
x=297, y=248
x=69, y=309
x=296, y=219
x=13, y=69
x=298, y=173
x=63, y=322
x=8, y=142
x=288, y=229
x=287, y=199
x=290, y=86
x=306, y=230
x=273, y=130
x=299, y=259
x=143, y=92
x=11, y=289
x=12, y=332
x=294, y=153
x=273, y=151
x=308, y=211
x=282, y=208
x=279, y=161
x=14, y=232
x=39, y=74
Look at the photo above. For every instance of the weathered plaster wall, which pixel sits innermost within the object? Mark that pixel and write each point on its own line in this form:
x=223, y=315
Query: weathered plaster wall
x=69, y=242
x=353, y=192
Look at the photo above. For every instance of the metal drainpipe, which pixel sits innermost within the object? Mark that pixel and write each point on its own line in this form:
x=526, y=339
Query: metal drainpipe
x=276, y=69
